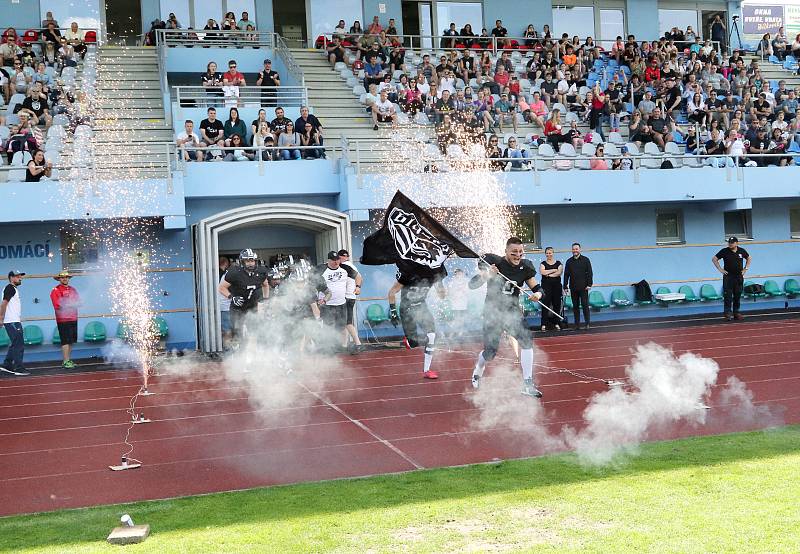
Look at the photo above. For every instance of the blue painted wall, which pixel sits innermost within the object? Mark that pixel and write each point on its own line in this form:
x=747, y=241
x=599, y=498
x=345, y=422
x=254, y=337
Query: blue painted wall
x=151, y=10
x=517, y=15
x=20, y=15
x=642, y=18
x=264, y=16
x=394, y=9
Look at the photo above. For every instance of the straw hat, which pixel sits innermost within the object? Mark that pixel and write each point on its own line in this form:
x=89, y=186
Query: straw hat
x=64, y=273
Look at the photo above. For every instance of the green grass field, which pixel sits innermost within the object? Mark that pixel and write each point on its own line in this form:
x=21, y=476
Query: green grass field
x=730, y=493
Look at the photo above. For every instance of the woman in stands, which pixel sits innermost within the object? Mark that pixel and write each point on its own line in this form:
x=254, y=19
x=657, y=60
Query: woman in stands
x=211, y=25
x=696, y=109
x=255, y=126
x=212, y=82
x=485, y=65
x=229, y=22
x=598, y=161
x=310, y=136
x=552, y=130
x=482, y=110
x=493, y=152
x=241, y=154
x=530, y=35
x=289, y=141
x=355, y=32
x=466, y=31
x=778, y=145
x=265, y=139
x=38, y=168
x=234, y=126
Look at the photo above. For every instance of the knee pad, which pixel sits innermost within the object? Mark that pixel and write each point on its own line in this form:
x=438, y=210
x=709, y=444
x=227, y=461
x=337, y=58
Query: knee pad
x=489, y=354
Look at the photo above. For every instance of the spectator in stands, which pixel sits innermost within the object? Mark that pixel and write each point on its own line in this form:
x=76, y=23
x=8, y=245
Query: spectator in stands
x=188, y=142
x=789, y=106
x=76, y=37
x=397, y=59
x=21, y=78
x=240, y=154
x=35, y=104
x=355, y=31
x=229, y=22
x=212, y=133
x=449, y=37
x=38, y=168
x=391, y=28
x=212, y=81
x=735, y=147
x=310, y=136
x=715, y=147
x=519, y=154
x=255, y=125
x=66, y=54
x=411, y=103
x=499, y=33
x=696, y=109
x=42, y=77
x=796, y=46
x=340, y=31
x=375, y=27
x=5, y=86
x=264, y=140
x=778, y=144
x=234, y=126
x=212, y=25
x=373, y=72
x=50, y=55
x=483, y=40
x=494, y=154
x=444, y=105
x=659, y=127
x=9, y=50
x=28, y=56
x=445, y=133
x=231, y=81
x=172, y=21
x=245, y=21
x=383, y=111
x=335, y=50
x=51, y=34
x=598, y=161
x=289, y=141
x=269, y=80
x=306, y=117
x=48, y=18
x=280, y=123
x=597, y=100
x=537, y=110
x=504, y=110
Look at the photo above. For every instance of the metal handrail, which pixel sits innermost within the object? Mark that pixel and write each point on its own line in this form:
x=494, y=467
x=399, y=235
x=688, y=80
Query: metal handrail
x=292, y=67
x=202, y=96
x=222, y=39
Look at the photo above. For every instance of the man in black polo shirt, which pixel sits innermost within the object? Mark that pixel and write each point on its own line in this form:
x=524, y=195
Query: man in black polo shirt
x=735, y=266
x=578, y=280
x=268, y=78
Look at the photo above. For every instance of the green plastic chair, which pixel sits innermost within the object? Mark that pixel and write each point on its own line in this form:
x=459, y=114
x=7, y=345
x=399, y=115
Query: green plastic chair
x=688, y=294
x=791, y=287
x=56, y=336
x=376, y=314
x=5, y=340
x=528, y=305
x=95, y=331
x=771, y=288
x=160, y=327
x=708, y=294
x=755, y=295
x=596, y=300
x=123, y=331
x=663, y=290
x=32, y=335
x=619, y=299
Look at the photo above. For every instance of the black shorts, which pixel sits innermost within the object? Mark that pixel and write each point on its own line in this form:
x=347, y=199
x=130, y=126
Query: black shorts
x=498, y=319
x=384, y=118
x=334, y=316
x=417, y=322
x=351, y=307
x=68, y=332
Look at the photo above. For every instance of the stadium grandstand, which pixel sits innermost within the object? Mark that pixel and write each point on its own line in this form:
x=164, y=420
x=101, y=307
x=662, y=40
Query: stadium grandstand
x=150, y=149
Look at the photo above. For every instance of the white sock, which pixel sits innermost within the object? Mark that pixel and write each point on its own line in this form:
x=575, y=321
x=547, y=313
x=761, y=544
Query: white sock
x=526, y=361
x=429, y=352
x=480, y=365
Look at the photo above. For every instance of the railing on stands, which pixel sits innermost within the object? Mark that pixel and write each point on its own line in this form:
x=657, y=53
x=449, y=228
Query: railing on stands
x=256, y=96
x=218, y=39
x=161, y=56
x=294, y=69
x=257, y=153
x=495, y=44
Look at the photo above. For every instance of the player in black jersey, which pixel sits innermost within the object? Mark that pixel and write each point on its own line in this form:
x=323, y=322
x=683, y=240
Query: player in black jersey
x=293, y=307
x=502, y=312
x=245, y=285
x=413, y=282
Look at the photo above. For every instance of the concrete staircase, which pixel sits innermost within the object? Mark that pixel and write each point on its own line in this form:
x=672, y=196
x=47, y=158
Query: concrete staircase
x=130, y=119
x=775, y=72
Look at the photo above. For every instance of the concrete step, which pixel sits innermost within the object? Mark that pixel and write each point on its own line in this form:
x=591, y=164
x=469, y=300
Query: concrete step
x=131, y=103
x=131, y=113
x=127, y=68
x=144, y=93
x=141, y=135
x=324, y=79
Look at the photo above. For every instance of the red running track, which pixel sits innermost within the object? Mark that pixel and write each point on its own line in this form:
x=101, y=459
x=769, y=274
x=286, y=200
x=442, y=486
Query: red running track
x=59, y=433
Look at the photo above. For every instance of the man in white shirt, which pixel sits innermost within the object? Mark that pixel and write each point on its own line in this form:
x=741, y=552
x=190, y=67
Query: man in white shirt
x=333, y=306
x=187, y=140
x=352, y=292
x=383, y=111
x=11, y=316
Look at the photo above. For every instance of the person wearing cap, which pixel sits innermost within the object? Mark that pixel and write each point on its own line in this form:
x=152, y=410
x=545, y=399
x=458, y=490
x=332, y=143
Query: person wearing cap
x=245, y=286
x=11, y=315
x=352, y=292
x=65, y=301
x=333, y=305
x=736, y=261
x=268, y=78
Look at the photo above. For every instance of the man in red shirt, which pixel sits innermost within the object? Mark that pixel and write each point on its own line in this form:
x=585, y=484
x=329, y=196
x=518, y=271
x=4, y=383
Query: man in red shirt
x=233, y=77
x=65, y=302
x=652, y=74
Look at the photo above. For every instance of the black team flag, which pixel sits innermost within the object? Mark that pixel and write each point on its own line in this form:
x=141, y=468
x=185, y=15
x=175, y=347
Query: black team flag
x=410, y=234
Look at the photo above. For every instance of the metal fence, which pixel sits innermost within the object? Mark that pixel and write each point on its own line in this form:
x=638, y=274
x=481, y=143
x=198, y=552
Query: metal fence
x=240, y=97
x=189, y=38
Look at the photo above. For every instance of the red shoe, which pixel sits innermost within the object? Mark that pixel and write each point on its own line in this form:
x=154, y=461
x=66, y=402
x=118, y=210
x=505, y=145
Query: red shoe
x=405, y=343
x=430, y=374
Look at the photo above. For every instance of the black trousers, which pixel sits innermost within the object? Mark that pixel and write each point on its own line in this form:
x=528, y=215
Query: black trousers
x=552, y=299
x=580, y=299
x=732, y=292
x=417, y=322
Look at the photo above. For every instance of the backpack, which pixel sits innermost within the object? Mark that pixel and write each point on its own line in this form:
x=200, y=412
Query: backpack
x=754, y=288
x=642, y=291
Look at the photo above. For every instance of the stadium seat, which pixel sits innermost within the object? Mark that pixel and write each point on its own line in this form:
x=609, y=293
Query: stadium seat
x=376, y=314
x=619, y=299
x=791, y=287
x=95, y=332
x=568, y=302
x=654, y=156
x=123, y=330
x=32, y=335
x=587, y=150
x=688, y=293
x=596, y=300
x=616, y=138
x=56, y=336
x=672, y=148
x=160, y=327
x=4, y=339
x=708, y=294
x=771, y=288
x=90, y=37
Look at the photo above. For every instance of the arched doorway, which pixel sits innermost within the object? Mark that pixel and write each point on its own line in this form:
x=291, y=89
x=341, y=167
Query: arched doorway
x=332, y=232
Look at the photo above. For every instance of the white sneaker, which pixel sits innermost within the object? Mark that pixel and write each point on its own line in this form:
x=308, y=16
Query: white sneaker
x=529, y=389
x=558, y=327
x=476, y=381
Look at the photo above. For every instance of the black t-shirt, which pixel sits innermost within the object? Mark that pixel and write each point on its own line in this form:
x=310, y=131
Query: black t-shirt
x=499, y=32
x=500, y=292
x=733, y=262
x=36, y=105
x=246, y=283
x=214, y=129
x=278, y=124
x=443, y=106
x=417, y=281
x=671, y=95
x=442, y=66
x=269, y=78
x=212, y=79
x=551, y=281
x=658, y=124
x=715, y=147
x=550, y=87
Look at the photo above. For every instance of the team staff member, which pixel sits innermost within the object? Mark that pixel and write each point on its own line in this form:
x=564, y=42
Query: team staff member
x=245, y=286
x=577, y=283
x=736, y=261
x=352, y=292
x=11, y=316
x=65, y=301
x=334, y=305
x=551, y=270
x=502, y=312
